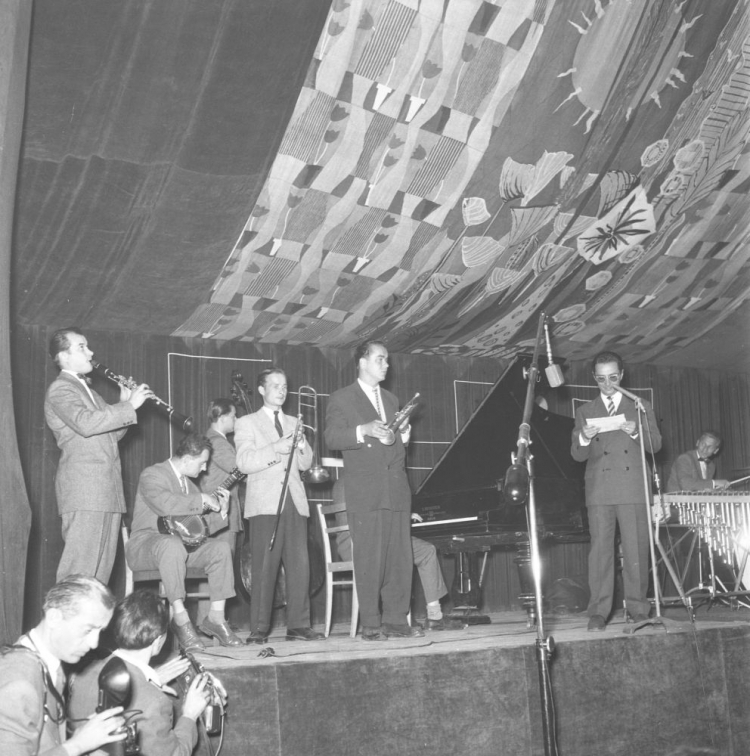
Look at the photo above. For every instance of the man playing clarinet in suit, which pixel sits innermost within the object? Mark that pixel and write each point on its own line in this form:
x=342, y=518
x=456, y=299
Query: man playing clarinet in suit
x=88, y=483
x=614, y=490
x=378, y=494
x=269, y=451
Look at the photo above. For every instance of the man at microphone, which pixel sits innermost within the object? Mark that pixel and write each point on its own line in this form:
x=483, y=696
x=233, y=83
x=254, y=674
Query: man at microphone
x=695, y=469
x=605, y=436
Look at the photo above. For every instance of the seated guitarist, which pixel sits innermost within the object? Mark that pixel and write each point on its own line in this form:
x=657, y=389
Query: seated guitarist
x=165, y=489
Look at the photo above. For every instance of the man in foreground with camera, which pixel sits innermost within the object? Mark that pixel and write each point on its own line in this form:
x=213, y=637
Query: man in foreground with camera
x=33, y=713
x=140, y=626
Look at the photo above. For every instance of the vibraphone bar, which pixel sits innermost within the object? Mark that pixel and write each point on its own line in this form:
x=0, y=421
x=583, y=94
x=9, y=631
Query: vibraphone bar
x=721, y=519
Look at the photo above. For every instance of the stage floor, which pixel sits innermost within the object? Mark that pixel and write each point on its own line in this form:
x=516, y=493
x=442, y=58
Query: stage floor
x=476, y=690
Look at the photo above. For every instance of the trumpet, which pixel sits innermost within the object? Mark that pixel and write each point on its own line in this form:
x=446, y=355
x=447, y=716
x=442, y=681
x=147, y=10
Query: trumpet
x=398, y=419
x=185, y=422
x=307, y=397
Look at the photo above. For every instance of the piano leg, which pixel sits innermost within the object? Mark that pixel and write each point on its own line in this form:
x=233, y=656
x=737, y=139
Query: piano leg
x=466, y=590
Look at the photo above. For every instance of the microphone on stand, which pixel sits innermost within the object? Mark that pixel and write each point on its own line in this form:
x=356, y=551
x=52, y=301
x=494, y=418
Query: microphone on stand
x=634, y=397
x=553, y=372
x=516, y=484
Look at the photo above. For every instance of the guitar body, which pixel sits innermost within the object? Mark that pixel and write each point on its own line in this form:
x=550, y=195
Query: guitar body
x=192, y=529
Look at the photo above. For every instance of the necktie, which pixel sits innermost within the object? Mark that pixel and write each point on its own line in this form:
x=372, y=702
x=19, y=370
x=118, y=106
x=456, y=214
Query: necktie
x=277, y=423
x=183, y=484
x=611, y=406
x=378, y=407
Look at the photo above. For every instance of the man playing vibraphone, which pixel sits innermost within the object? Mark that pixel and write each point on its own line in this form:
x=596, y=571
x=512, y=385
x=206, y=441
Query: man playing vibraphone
x=695, y=469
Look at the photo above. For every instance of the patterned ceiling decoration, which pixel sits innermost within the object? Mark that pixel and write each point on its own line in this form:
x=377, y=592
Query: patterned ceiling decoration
x=454, y=167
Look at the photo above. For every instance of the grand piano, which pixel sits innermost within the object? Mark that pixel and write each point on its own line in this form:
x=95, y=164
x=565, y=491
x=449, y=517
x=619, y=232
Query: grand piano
x=461, y=501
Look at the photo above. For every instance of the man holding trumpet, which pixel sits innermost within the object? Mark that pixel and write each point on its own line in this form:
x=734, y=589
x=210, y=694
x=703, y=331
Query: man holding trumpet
x=272, y=450
x=378, y=494
x=88, y=483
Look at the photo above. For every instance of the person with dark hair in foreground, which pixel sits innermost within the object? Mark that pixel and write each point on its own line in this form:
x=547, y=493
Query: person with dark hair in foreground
x=33, y=712
x=140, y=626
x=378, y=497
x=166, y=489
x=268, y=451
x=605, y=436
x=88, y=482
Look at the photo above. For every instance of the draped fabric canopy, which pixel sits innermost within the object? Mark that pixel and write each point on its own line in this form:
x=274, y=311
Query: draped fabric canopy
x=432, y=172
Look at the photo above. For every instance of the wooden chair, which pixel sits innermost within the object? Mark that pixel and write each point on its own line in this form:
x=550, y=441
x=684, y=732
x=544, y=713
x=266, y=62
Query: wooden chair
x=336, y=567
x=153, y=576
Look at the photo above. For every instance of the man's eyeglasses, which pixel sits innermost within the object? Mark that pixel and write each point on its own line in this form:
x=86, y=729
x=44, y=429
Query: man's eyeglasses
x=614, y=378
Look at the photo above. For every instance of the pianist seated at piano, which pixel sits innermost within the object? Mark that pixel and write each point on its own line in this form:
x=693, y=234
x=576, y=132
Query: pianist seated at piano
x=694, y=470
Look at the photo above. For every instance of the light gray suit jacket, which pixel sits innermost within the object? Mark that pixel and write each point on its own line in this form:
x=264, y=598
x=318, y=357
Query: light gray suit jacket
x=253, y=436
x=89, y=474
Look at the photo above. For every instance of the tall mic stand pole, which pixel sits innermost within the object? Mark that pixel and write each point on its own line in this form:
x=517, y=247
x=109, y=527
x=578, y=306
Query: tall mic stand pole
x=658, y=619
x=521, y=473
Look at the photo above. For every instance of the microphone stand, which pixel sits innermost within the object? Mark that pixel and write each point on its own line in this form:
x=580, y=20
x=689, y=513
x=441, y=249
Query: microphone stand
x=520, y=473
x=652, y=539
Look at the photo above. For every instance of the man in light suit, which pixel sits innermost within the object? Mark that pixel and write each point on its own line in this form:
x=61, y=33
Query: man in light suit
x=165, y=489
x=222, y=415
x=695, y=469
x=378, y=494
x=265, y=440
x=88, y=483
x=615, y=491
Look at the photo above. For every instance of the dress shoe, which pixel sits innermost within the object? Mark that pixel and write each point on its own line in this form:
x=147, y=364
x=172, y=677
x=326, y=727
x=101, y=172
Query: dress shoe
x=597, y=623
x=257, y=637
x=303, y=634
x=444, y=623
x=402, y=631
x=373, y=634
x=640, y=617
x=187, y=636
x=220, y=631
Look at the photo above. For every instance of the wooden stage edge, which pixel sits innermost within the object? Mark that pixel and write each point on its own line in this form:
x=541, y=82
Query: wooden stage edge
x=476, y=690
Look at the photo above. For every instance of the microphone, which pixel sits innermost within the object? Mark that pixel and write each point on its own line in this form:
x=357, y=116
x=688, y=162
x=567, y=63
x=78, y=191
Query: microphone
x=553, y=372
x=634, y=397
x=516, y=484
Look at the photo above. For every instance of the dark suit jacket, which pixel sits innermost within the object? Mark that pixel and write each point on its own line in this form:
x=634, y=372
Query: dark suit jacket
x=375, y=474
x=22, y=689
x=614, y=469
x=685, y=474
x=89, y=474
x=158, y=734
x=221, y=463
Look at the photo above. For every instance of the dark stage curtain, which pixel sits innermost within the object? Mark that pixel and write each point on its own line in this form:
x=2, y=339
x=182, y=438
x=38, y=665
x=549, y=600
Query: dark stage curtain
x=15, y=515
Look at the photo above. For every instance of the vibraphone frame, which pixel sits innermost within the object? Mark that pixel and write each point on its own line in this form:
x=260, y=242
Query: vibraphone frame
x=720, y=524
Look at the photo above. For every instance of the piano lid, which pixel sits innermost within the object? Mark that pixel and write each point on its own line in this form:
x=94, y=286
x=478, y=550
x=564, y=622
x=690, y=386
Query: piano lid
x=464, y=482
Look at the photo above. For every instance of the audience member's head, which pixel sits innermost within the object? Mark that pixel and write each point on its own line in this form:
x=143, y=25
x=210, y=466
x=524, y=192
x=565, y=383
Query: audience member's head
x=76, y=610
x=140, y=619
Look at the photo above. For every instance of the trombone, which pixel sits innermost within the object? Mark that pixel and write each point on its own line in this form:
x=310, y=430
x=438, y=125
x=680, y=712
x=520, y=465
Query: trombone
x=307, y=399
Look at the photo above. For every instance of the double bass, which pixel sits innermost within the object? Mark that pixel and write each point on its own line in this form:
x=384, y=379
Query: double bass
x=241, y=397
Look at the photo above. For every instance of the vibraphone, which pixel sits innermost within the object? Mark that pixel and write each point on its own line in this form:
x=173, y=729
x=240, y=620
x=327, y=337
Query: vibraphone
x=721, y=520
